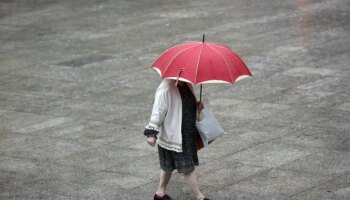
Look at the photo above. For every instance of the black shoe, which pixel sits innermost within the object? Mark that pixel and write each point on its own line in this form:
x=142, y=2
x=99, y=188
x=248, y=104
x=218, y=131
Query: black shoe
x=165, y=197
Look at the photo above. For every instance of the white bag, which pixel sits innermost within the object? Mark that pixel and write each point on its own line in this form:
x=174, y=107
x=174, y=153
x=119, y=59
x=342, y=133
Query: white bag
x=208, y=127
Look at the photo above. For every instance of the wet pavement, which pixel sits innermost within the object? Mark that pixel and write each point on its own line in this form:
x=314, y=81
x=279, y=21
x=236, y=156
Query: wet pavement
x=76, y=90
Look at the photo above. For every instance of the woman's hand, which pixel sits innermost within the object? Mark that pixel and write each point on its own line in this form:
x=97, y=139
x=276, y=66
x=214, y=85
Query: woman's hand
x=151, y=140
x=200, y=106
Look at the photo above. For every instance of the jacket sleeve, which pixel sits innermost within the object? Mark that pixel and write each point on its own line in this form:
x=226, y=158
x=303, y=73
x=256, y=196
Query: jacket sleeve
x=159, y=112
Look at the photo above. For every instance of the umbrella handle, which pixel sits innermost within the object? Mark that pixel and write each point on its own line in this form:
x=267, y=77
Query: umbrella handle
x=178, y=75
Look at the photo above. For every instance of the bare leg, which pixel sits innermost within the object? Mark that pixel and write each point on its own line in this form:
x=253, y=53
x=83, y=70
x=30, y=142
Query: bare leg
x=163, y=182
x=191, y=181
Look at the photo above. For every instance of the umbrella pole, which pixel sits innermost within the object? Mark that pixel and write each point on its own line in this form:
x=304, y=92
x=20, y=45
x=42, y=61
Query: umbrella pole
x=200, y=93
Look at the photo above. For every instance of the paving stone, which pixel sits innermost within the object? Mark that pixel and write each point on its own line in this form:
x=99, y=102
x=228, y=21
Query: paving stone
x=132, y=97
x=44, y=125
x=344, y=106
x=13, y=120
x=112, y=192
x=273, y=184
x=106, y=133
x=69, y=129
x=269, y=154
x=28, y=103
x=336, y=101
x=302, y=71
x=16, y=171
x=300, y=118
x=238, y=139
x=321, y=138
x=15, y=192
x=328, y=84
x=243, y=110
x=145, y=167
x=38, y=169
x=42, y=86
x=84, y=60
x=55, y=188
x=119, y=180
x=8, y=64
x=132, y=138
x=103, y=157
x=13, y=142
x=48, y=149
x=230, y=174
x=337, y=188
x=19, y=176
x=61, y=172
x=96, y=72
x=328, y=162
x=292, y=96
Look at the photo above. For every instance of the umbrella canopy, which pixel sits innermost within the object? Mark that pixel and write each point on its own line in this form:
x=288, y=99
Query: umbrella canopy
x=201, y=62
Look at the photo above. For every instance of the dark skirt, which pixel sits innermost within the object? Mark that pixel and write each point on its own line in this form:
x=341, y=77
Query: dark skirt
x=183, y=161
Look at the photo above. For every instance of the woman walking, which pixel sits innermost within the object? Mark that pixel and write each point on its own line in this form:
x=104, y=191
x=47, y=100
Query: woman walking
x=173, y=127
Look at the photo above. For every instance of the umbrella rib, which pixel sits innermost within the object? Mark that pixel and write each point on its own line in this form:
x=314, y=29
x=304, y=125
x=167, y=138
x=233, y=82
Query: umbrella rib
x=236, y=56
x=168, y=51
x=167, y=67
x=199, y=57
x=220, y=45
x=224, y=61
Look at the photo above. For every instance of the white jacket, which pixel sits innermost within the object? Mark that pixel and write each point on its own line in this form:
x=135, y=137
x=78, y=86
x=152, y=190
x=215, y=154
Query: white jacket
x=166, y=115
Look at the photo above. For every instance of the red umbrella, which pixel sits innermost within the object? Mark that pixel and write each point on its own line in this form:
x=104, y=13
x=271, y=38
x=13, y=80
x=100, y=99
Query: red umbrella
x=201, y=62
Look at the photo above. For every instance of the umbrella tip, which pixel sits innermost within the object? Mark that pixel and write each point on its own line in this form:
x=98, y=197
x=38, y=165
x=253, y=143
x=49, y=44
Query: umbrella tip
x=203, y=37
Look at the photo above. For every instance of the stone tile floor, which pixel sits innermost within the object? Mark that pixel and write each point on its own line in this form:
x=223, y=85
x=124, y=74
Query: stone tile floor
x=76, y=90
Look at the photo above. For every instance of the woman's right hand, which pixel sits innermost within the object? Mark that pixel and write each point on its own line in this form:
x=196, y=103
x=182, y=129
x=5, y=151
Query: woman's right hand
x=151, y=140
x=200, y=106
